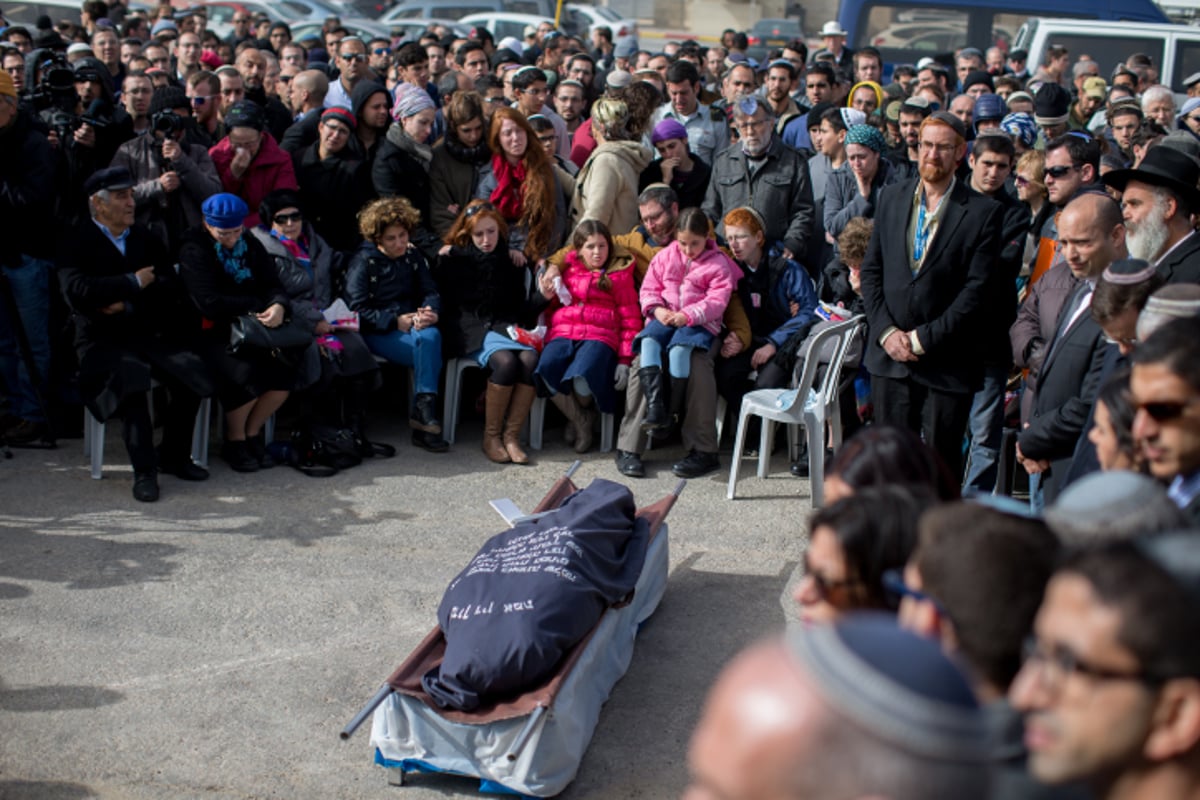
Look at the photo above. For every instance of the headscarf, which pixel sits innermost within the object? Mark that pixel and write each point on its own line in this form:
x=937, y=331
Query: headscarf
x=867, y=136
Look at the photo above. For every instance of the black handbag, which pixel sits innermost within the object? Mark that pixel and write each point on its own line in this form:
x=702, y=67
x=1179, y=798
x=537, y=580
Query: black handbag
x=247, y=333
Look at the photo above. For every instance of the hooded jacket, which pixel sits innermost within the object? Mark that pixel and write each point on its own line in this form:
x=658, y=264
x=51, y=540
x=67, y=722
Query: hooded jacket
x=606, y=188
x=454, y=176
x=700, y=287
x=596, y=314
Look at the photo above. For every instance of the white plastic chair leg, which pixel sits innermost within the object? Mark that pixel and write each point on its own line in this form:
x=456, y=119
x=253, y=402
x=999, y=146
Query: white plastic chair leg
x=607, y=424
x=201, y=431
x=766, y=434
x=722, y=406
x=537, y=422
x=93, y=434
x=816, y=463
x=739, y=441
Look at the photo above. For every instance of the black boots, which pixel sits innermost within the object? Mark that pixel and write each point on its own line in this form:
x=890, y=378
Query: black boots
x=424, y=414
x=655, y=390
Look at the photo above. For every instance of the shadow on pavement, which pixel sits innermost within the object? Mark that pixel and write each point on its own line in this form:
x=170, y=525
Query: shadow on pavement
x=44, y=790
x=55, y=698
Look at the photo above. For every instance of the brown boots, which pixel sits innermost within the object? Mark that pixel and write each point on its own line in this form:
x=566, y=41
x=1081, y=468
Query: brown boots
x=579, y=420
x=502, y=440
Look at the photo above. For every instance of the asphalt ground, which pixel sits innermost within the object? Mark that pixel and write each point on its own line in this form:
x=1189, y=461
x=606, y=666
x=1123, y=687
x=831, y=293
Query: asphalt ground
x=213, y=644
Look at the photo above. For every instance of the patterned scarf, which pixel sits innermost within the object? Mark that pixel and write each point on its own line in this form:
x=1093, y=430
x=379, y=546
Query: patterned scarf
x=507, y=196
x=234, y=261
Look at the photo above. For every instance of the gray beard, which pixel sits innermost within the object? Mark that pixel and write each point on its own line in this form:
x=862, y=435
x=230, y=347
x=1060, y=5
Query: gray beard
x=1148, y=239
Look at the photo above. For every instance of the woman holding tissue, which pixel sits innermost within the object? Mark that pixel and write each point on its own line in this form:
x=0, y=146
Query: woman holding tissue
x=389, y=284
x=343, y=371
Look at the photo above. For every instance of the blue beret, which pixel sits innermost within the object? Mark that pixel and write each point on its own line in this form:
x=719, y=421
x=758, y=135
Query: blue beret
x=110, y=178
x=225, y=210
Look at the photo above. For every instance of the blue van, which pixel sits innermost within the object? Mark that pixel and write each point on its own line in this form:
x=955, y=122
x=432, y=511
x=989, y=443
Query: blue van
x=905, y=31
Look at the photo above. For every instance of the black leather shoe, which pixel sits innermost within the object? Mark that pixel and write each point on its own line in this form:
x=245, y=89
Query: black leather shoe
x=696, y=465
x=424, y=414
x=800, y=468
x=145, y=487
x=257, y=447
x=630, y=464
x=184, y=470
x=239, y=457
x=433, y=442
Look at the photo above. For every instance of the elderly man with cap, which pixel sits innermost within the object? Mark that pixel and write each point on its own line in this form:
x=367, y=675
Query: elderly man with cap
x=677, y=166
x=335, y=181
x=171, y=178
x=857, y=709
x=1158, y=200
x=1092, y=237
x=926, y=301
x=134, y=325
x=248, y=160
x=1110, y=686
x=27, y=166
x=763, y=173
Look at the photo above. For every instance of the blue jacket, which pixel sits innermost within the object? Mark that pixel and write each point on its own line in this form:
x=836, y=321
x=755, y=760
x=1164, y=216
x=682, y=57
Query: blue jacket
x=380, y=288
x=789, y=284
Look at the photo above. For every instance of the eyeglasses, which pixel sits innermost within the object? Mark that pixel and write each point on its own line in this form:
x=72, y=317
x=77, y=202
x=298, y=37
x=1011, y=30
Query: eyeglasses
x=201, y=99
x=241, y=19
x=1126, y=341
x=352, y=56
x=937, y=148
x=139, y=90
x=1058, y=173
x=1165, y=410
x=382, y=51
x=336, y=129
x=893, y=582
x=751, y=125
x=284, y=219
x=1058, y=663
x=825, y=586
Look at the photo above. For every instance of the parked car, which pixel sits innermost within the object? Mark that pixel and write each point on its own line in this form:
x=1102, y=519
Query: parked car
x=771, y=34
x=981, y=20
x=625, y=29
x=26, y=14
x=365, y=29
x=220, y=12
x=502, y=23
x=1175, y=49
x=444, y=9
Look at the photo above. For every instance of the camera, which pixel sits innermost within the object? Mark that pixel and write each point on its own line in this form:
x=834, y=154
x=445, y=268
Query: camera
x=166, y=123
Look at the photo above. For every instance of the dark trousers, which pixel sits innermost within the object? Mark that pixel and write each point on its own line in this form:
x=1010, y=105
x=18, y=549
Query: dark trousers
x=940, y=418
x=179, y=420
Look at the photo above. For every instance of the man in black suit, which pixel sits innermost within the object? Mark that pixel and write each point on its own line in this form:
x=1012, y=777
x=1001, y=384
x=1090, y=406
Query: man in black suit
x=926, y=277
x=1165, y=384
x=133, y=324
x=1158, y=200
x=1092, y=237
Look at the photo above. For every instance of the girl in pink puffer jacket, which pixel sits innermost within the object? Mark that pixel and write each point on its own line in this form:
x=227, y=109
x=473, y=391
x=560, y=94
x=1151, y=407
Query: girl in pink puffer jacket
x=683, y=297
x=590, y=340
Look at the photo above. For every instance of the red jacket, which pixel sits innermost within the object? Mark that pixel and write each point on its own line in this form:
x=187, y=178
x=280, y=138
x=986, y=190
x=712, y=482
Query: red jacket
x=610, y=316
x=271, y=169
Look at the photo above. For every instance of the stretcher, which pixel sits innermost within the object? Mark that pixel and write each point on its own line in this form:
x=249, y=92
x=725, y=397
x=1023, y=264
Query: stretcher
x=531, y=745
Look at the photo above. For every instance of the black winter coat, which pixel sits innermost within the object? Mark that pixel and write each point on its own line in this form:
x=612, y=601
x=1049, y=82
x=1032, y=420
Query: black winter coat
x=380, y=289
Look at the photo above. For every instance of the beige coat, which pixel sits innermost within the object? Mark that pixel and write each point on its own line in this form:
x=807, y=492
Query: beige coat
x=606, y=188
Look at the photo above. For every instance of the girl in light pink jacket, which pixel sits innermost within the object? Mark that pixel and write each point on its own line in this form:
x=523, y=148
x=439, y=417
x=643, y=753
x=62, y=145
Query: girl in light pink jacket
x=683, y=297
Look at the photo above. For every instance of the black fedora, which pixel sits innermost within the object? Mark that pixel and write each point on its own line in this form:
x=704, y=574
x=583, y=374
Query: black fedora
x=1166, y=167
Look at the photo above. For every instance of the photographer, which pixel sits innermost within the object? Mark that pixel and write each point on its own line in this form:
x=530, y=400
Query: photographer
x=171, y=178
x=100, y=124
x=26, y=195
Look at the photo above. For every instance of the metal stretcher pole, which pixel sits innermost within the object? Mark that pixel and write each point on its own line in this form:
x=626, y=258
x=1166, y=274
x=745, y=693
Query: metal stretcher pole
x=526, y=732
x=367, y=710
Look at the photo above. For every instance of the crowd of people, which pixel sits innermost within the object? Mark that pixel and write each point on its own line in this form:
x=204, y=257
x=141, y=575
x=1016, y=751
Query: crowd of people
x=265, y=222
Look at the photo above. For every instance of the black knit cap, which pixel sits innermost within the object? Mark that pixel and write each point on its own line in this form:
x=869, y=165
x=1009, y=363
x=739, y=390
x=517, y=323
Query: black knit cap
x=168, y=98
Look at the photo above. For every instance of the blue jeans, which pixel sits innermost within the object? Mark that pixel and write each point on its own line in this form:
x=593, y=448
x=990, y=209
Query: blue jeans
x=986, y=428
x=30, y=285
x=421, y=350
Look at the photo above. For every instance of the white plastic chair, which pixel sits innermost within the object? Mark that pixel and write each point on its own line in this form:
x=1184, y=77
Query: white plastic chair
x=537, y=424
x=793, y=407
x=93, y=437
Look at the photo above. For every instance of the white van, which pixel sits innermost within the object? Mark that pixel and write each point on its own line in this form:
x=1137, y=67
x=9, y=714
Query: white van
x=1175, y=49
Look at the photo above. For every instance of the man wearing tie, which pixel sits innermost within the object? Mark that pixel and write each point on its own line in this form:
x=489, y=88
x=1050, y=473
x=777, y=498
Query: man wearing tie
x=1092, y=236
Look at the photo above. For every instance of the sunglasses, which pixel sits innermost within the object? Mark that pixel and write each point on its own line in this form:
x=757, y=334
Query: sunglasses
x=1164, y=411
x=382, y=51
x=284, y=219
x=1059, y=172
x=353, y=56
x=201, y=99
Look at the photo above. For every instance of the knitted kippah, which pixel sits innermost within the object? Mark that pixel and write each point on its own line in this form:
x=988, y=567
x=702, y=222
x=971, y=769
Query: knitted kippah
x=1128, y=271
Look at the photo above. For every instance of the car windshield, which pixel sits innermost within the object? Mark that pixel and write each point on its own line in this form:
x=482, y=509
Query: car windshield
x=605, y=12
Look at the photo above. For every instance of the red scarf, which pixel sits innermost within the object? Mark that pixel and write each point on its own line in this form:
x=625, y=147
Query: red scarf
x=507, y=196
